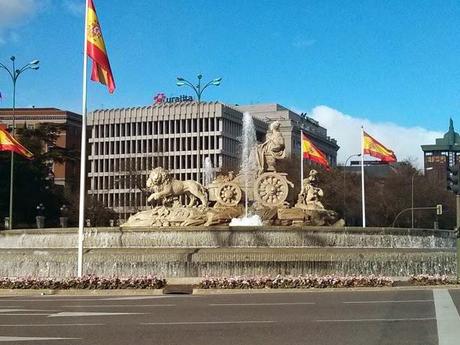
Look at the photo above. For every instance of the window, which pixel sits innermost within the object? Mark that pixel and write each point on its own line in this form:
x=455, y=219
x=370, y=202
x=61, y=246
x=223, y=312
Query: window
x=436, y=159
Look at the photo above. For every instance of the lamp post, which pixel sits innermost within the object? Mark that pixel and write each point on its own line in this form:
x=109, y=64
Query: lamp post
x=63, y=220
x=14, y=75
x=412, y=195
x=412, y=199
x=40, y=218
x=198, y=89
x=344, y=174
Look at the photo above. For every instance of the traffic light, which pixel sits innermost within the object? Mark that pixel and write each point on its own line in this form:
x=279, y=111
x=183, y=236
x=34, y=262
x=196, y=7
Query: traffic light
x=453, y=179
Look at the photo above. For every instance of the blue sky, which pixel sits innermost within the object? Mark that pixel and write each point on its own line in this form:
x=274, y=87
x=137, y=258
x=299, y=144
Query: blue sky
x=385, y=62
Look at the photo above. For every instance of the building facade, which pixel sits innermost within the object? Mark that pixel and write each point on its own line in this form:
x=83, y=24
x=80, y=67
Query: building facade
x=443, y=154
x=291, y=126
x=65, y=174
x=126, y=144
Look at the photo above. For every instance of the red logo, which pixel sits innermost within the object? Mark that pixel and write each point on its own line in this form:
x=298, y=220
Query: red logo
x=159, y=98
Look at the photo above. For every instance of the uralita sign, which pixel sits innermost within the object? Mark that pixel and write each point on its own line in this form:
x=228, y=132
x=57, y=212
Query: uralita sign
x=160, y=98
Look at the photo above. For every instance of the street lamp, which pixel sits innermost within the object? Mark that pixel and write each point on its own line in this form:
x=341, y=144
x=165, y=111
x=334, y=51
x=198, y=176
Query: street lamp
x=40, y=218
x=63, y=220
x=412, y=195
x=344, y=174
x=198, y=89
x=14, y=75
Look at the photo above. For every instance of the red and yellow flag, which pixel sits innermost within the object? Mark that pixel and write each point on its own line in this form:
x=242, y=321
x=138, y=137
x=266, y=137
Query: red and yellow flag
x=373, y=148
x=311, y=152
x=101, y=70
x=9, y=143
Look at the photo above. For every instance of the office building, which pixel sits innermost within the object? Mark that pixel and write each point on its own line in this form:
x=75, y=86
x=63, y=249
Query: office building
x=65, y=174
x=125, y=144
x=291, y=125
x=443, y=154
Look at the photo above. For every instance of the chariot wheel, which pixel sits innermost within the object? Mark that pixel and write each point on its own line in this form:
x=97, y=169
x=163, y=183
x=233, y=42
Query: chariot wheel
x=271, y=189
x=228, y=194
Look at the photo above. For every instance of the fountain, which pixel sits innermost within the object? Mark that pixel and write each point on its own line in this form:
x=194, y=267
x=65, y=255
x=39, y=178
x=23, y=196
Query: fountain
x=209, y=174
x=175, y=239
x=248, y=167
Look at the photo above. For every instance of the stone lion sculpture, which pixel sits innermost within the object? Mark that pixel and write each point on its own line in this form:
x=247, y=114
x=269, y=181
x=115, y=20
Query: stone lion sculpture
x=163, y=187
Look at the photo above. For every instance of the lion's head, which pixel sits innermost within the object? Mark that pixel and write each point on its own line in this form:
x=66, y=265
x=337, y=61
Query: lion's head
x=158, y=177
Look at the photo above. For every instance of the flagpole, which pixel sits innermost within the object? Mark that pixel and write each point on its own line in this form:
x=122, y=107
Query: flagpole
x=301, y=162
x=81, y=210
x=362, y=177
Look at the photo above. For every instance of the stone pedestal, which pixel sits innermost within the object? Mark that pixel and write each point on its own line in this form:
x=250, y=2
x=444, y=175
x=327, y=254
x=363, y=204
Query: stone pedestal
x=63, y=221
x=40, y=220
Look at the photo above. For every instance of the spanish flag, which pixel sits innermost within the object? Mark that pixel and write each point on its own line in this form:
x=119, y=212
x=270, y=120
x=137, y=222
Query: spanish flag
x=9, y=143
x=373, y=148
x=101, y=70
x=311, y=152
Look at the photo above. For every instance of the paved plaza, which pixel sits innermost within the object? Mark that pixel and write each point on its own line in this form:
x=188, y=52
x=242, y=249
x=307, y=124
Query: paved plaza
x=380, y=316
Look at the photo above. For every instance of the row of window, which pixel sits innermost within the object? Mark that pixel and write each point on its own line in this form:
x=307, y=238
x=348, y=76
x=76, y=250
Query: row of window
x=155, y=145
x=124, y=165
x=101, y=130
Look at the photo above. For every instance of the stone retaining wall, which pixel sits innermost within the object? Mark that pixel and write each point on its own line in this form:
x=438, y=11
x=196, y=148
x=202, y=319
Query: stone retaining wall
x=223, y=251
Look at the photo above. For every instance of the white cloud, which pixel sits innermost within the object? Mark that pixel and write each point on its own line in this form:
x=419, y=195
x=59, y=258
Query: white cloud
x=14, y=13
x=404, y=141
x=75, y=7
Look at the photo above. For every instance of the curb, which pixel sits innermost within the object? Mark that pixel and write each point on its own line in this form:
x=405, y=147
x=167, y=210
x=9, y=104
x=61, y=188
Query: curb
x=198, y=291
x=202, y=292
x=80, y=292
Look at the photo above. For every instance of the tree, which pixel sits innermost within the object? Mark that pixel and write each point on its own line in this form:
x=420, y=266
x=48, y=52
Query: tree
x=95, y=211
x=387, y=195
x=33, y=179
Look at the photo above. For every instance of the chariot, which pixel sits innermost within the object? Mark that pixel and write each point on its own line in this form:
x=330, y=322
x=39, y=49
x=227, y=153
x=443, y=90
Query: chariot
x=269, y=189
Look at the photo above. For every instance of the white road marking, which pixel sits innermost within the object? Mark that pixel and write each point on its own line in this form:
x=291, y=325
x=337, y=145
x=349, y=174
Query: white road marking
x=380, y=320
x=448, y=320
x=24, y=314
x=117, y=305
x=96, y=313
x=6, y=338
x=53, y=324
x=257, y=304
x=67, y=299
x=383, y=301
x=204, y=322
x=129, y=298
x=19, y=310
x=57, y=299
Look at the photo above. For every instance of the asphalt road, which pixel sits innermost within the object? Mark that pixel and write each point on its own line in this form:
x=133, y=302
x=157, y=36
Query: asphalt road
x=391, y=316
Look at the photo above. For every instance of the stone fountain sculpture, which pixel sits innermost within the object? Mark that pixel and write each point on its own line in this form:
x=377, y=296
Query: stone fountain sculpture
x=309, y=200
x=220, y=202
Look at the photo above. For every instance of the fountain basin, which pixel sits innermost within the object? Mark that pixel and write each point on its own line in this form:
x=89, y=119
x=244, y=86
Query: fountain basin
x=224, y=251
x=192, y=262
x=224, y=237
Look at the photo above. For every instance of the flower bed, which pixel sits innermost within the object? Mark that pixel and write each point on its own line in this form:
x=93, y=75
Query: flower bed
x=85, y=282
x=299, y=282
x=425, y=279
